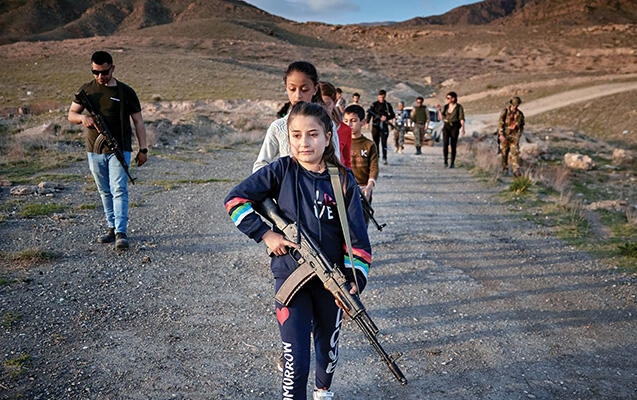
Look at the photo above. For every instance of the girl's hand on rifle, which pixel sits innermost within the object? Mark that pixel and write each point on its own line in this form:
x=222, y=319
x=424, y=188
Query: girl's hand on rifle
x=277, y=243
x=353, y=290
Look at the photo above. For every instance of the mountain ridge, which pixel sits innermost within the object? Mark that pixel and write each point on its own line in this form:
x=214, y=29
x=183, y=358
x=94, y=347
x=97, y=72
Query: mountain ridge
x=45, y=20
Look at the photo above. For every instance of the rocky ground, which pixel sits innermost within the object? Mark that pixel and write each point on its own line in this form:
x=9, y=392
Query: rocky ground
x=481, y=303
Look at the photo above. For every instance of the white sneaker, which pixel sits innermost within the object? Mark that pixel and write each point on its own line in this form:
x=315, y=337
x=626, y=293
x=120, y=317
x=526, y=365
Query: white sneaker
x=322, y=394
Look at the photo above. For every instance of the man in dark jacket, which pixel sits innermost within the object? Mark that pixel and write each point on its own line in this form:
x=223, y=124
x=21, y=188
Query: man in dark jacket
x=380, y=113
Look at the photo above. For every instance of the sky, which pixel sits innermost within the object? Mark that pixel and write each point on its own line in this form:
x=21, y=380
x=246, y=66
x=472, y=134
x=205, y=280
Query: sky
x=342, y=12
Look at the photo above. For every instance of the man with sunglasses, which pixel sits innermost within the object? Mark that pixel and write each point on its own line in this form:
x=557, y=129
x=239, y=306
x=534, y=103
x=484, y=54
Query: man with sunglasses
x=118, y=104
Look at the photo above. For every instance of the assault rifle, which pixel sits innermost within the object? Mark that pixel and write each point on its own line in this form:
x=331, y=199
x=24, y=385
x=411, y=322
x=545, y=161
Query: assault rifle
x=369, y=211
x=376, y=115
x=313, y=262
x=105, y=137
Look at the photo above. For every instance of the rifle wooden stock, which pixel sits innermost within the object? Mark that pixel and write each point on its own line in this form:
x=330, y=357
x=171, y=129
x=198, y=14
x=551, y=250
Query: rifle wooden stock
x=105, y=137
x=332, y=277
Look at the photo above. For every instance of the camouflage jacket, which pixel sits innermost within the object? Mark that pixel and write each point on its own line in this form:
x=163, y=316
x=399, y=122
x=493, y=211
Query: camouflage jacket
x=511, y=123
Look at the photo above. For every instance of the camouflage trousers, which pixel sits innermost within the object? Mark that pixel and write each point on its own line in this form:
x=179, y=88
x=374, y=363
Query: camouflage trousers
x=510, y=150
x=419, y=134
x=399, y=136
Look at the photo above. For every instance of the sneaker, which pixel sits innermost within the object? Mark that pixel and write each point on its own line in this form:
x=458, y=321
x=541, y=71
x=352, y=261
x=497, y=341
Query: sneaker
x=385, y=162
x=108, y=237
x=121, y=241
x=322, y=394
x=279, y=363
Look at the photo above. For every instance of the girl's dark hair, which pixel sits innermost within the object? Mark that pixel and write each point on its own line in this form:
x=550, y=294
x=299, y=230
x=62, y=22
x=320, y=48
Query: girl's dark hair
x=283, y=110
x=308, y=69
x=329, y=90
x=454, y=95
x=318, y=111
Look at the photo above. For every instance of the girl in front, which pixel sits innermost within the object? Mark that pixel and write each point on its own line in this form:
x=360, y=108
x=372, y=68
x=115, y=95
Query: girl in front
x=301, y=185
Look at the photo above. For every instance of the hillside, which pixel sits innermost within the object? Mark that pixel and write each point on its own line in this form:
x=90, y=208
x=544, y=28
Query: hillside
x=65, y=19
x=535, y=12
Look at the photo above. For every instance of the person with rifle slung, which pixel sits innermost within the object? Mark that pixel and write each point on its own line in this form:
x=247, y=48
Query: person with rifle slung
x=301, y=185
x=420, y=116
x=364, y=156
x=510, y=128
x=111, y=105
x=380, y=113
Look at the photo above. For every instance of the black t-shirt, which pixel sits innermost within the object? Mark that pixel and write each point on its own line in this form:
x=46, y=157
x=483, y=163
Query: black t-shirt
x=108, y=100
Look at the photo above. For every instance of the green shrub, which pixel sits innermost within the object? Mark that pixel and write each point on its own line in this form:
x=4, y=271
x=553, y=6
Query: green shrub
x=520, y=184
x=36, y=209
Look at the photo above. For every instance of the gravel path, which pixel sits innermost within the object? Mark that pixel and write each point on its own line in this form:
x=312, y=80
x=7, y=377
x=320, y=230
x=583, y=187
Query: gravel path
x=482, y=304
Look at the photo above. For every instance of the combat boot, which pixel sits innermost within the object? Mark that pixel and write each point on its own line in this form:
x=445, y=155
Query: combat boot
x=418, y=152
x=108, y=237
x=121, y=242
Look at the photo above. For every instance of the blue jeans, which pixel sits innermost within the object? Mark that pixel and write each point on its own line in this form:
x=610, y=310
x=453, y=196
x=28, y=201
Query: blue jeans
x=112, y=185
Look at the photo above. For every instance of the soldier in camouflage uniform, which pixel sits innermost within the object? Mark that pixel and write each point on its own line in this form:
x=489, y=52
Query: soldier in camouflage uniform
x=510, y=129
x=420, y=116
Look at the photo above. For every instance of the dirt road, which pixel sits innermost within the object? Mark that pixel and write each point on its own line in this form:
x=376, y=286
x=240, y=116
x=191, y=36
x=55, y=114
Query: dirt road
x=482, y=304
x=483, y=122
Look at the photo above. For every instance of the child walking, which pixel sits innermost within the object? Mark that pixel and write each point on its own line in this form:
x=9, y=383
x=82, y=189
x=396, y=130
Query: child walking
x=364, y=152
x=301, y=84
x=328, y=93
x=301, y=186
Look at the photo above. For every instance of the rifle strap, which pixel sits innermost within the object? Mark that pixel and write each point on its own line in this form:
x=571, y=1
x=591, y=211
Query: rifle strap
x=294, y=283
x=342, y=214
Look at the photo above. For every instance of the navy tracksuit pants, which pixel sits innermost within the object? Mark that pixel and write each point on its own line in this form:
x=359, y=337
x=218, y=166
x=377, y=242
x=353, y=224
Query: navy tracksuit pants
x=312, y=312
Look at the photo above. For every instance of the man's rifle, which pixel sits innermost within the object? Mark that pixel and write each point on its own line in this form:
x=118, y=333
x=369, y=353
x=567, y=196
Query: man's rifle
x=100, y=125
x=381, y=122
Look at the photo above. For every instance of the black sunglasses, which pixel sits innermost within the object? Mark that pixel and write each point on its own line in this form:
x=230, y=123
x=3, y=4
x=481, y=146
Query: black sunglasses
x=103, y=72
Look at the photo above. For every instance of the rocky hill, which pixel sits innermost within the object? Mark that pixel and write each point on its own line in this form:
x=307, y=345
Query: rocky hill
x=64, y=19
x=43, y=20
x=536, y=12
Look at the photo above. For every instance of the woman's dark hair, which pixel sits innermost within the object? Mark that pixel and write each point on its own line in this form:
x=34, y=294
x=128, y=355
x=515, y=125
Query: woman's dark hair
x=283, y=110
x=101, y=57
x=454, y=96
x=318, y=111
x=309, y=70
